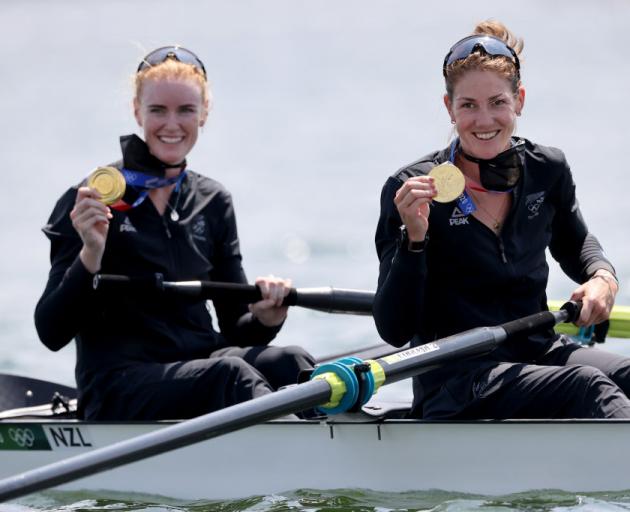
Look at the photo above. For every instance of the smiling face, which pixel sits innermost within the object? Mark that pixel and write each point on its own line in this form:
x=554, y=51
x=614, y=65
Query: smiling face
x=484, y=109
x=170, y=111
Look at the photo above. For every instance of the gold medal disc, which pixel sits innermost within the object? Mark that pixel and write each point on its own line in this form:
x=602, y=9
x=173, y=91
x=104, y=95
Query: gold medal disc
x=449, y=182
x=109, y=182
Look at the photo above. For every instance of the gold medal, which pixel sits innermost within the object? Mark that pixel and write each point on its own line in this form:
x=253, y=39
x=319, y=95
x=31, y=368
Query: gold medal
x=109, y=182
x=449, y=182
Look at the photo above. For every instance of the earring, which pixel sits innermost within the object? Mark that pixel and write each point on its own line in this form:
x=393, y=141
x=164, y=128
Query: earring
x=452, y=121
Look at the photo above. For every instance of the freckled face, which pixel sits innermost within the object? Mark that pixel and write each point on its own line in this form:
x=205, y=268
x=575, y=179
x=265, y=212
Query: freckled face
x=484, y=109
x=170, y=112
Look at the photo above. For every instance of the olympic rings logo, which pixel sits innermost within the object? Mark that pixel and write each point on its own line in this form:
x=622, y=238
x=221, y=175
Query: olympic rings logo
x=23, y=437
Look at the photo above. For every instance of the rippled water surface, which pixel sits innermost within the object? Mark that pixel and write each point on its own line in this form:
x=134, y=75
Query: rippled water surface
x=342, y=500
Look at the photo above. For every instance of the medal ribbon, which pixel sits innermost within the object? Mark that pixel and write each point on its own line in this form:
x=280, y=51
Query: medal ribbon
x=464, y=202
x=143, y=183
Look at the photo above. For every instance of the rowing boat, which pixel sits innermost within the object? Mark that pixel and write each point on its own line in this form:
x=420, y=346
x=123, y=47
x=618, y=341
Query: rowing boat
x=372, y=448
x=356, y=451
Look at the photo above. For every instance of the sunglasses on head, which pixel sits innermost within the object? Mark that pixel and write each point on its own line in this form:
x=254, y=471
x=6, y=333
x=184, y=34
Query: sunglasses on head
x=172, y=52
x=488, y=45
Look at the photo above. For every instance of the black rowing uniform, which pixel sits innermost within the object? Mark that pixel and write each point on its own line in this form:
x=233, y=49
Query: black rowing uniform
x=116, y=333
x=468, y=276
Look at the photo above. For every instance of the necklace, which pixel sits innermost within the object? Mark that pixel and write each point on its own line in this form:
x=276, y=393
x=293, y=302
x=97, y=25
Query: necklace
x=497, y=224
x=174, y=215
x=178, y=190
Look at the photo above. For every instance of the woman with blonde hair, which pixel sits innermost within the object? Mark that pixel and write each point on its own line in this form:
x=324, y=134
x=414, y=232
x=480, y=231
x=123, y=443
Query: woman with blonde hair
x=157, y=357
x=448, y=264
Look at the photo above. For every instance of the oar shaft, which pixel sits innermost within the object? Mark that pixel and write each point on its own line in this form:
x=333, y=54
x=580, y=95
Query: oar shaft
x=333, y=300
x=325, y=298
x=476, y=342
x=423, y=358
x=328, y=299
x=268, y=407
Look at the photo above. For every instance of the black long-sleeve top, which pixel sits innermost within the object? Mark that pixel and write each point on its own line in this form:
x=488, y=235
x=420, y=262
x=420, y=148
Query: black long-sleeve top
x=467, y=276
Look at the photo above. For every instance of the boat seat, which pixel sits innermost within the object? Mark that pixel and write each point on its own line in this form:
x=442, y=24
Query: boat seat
x=56, y=409
x=23, y=396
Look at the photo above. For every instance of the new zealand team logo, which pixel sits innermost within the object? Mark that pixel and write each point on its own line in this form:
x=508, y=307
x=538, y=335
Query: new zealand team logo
x=198, y=228
x=533, y=203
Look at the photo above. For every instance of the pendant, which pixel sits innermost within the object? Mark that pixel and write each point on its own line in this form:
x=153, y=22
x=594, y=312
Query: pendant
x=174, y=216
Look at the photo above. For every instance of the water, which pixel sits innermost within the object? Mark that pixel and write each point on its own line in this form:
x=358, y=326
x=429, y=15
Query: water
x=346, y=500
x=316, y=103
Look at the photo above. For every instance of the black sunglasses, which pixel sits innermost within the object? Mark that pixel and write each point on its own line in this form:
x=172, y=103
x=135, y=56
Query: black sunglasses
x=172, y=52
x=489, y=45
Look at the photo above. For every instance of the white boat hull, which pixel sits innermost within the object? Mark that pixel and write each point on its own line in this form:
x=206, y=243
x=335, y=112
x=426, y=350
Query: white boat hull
x=490, y=458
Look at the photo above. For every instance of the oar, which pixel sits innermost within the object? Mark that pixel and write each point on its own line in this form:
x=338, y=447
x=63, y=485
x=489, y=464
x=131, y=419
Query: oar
x=327, y=390
x=327, y=299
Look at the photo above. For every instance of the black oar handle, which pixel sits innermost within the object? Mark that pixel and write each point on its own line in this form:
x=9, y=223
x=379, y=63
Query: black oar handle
x=235, y=292
x=328, y=299
x=568, y=312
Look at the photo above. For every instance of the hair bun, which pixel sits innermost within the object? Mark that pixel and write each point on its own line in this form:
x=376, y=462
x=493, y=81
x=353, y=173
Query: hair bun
x=497, y=29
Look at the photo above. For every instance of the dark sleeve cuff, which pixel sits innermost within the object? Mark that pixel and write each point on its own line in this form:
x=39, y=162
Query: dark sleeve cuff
x=600, y=265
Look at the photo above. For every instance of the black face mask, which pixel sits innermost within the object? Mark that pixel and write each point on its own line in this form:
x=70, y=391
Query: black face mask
x=502, y=172
x=137, y=157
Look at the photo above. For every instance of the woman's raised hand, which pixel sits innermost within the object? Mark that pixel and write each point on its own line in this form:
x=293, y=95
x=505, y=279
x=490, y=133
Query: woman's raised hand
x=90, y=218
x=412, y=201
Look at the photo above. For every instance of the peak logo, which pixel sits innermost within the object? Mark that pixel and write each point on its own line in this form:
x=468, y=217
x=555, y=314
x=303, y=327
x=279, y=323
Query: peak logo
x=458, y=217
x=127, y=226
